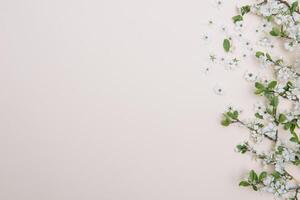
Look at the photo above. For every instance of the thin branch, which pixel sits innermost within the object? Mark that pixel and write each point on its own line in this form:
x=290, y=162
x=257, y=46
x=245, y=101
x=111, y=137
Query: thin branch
x=252, y=129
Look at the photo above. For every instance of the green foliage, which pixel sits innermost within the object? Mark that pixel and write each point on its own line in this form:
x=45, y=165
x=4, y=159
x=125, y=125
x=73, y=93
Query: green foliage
x=294, y=137
x=294, y=7
x=259, y=53
x=226, y=121
x=275, y=32
x=226, y=45
x=237, y=18
x=274, y=101
x=269, y=57
x=257, y=115
x=268, y=92
x=242, y=148
x=229, y=117
x=288, y=86
x=296, y=162
x=254, y=180
x=272, y=85
x=291, y=126
x=260, y=88
x=244, y=184
x=245, y=9
x=262, y=176
x=276, y=175
x=233, y=115
x=282, y=118
x=273, y=93
x=280, y=149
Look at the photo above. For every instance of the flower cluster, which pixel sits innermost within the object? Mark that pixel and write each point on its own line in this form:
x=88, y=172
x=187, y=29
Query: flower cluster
x=285, y=18
x=280, y=110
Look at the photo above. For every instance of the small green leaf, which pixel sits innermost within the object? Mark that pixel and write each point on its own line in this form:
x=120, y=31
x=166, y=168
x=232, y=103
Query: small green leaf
x=276, y=175
x=258, y=116
x=242, y=148
x=297, y=162
x=259, y=53
x=226, y=121
x=280, y=149
x=279, y=62
x=292, y=128
x=262, y=176
x=245, y=9
x=275, y=31
x=275, y=101
x=237, y=18
x=244, y=184
x=254, y=187
x=269, y=111
x=226, y=45
x=294, y=137
x=268, y=56
x=253, y=177
x=233, y=115
x=259, y=86
x=272, y=85
x=281, y=118
x=289, y=84
x=294, y=7
x=259, y=91
x=287, y=126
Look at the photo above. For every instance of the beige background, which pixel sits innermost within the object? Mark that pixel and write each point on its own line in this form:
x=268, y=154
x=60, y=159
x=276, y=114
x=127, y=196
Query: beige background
x=107, y=100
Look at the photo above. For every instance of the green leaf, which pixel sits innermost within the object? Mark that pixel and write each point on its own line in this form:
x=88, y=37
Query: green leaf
x=245, y=9
x=242, y=148
x=226, y=45
x=275, y=31
x=272, y=85
x=233, y=115
x=297, y=162
x=292, y=127
x=244, y=184
x=268, y=56
x=280, y=149
x=269, y=111
x=259, y=86
x=294, y=137
x=253, y=177
x=281, y=118
x=279, y=62
x=259, y=53
x=287, y=126
x=276, y=175
x=237, y=18
x=258, y=116
x=254, y=187
x=275, y=101
x=294, y=7
x=258, y=91
x=262, y=176
x=226, y=121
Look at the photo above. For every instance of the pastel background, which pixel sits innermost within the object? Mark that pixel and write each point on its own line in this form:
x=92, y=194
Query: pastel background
x=107, y=100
